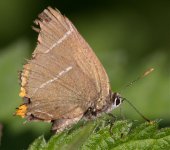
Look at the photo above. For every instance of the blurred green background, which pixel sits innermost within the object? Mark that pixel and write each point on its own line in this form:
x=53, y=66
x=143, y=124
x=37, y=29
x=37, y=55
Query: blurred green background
x=127, y=36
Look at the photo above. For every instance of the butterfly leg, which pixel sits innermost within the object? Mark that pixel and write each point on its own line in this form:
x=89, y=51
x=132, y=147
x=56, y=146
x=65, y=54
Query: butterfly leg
x=112, y=120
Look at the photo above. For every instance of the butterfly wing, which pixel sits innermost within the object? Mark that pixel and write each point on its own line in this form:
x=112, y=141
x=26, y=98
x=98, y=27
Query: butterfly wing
x=64, y=78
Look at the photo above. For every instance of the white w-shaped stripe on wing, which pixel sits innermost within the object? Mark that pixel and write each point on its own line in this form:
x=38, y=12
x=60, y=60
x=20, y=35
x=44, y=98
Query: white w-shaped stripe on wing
x=54, y=79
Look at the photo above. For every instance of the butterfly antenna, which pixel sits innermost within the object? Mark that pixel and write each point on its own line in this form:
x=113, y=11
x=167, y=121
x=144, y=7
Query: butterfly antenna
x=148, y=120
x=146, y=73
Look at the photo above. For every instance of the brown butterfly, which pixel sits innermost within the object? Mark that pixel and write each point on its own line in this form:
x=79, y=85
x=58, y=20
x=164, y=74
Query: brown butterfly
x=64, y=81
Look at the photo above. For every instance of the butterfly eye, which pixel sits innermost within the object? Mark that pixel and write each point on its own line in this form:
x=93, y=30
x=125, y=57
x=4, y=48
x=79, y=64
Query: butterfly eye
x=117, y=101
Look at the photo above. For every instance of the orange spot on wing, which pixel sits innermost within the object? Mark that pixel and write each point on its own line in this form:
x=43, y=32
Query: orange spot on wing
x=21, y=111
x=22, y=92
x=24, y=76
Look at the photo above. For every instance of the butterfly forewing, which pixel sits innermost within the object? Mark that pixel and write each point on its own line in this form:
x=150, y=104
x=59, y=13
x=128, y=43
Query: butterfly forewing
x=64, y=77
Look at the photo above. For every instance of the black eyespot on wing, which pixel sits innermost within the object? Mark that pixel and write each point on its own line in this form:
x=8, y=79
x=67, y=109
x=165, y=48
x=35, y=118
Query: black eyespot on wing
x=26, y=100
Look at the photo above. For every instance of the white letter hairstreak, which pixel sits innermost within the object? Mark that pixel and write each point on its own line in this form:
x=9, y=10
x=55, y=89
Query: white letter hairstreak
x=64, y=81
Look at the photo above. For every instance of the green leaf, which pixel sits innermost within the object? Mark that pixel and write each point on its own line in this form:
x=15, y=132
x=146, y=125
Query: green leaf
x=38, y=144
x=99, y=134
x=71, y=140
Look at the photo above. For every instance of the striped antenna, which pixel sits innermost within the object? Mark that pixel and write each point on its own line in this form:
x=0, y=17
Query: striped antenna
x=146, y=73
x=148, y=120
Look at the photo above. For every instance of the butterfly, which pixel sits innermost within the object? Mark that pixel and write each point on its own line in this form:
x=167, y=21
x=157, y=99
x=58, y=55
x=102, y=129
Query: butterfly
x=64, y=80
